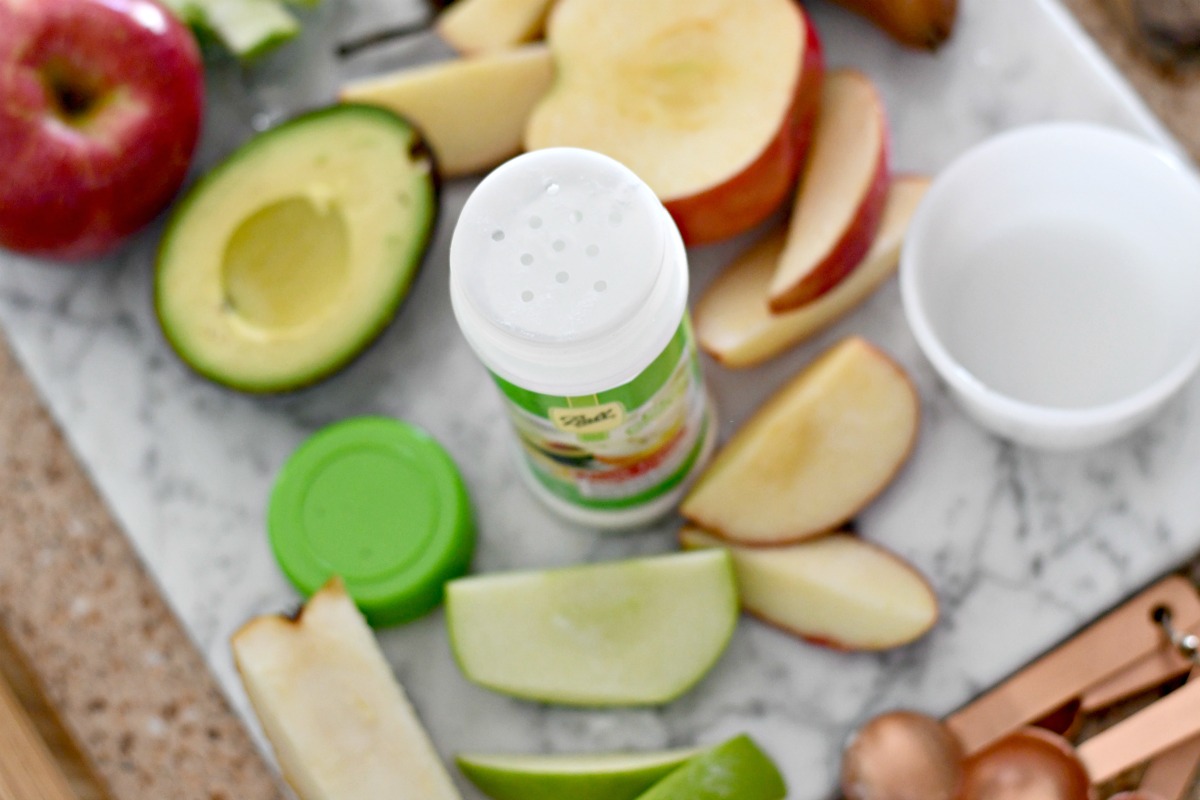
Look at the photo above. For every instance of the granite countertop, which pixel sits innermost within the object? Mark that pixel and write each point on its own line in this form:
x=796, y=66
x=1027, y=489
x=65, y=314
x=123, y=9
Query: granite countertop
x=1022, y=547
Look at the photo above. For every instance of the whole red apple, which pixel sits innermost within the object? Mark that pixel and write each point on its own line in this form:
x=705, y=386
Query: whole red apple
x=100, y=109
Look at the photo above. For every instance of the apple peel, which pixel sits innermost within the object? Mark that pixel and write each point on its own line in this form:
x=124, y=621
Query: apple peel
x=734, y=324
x=837, y=591
x=713, y=107
x=841, y=195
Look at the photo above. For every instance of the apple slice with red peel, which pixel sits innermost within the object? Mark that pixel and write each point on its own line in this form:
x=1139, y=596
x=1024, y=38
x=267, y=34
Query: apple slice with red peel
x=473, y=27
x=733, y=323
x=819, y=450
x=841, y=195
x=711, y=104
x=472, y=111
x=837, y=591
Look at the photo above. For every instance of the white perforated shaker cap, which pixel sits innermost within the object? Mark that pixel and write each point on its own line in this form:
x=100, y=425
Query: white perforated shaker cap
x=567, y=275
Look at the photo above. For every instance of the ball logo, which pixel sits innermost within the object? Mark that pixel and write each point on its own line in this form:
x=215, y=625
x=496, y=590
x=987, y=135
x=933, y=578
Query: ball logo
x=588, y=419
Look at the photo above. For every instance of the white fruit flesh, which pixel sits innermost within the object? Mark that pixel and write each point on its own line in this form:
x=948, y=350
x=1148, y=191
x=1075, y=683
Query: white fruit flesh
x=634, y=632
x=339, y=722
x=472, y=112
x=841, y=192
x=818, y=451
x=686, y=93
x=837, y=590
x=733, y=322
x=473, y=27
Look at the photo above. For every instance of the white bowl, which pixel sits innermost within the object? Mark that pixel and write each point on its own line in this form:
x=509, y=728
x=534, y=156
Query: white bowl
x=1052, y=278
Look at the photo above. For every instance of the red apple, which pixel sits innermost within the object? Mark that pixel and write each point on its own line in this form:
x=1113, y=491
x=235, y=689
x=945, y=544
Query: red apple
x=100, y=109
x=713, y=105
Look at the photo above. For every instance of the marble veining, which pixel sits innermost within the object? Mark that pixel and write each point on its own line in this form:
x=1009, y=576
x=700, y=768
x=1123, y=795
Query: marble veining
x=1022, y=547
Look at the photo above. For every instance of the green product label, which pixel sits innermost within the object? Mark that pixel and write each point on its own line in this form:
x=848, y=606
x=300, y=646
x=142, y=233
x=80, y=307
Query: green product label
x=624, y=446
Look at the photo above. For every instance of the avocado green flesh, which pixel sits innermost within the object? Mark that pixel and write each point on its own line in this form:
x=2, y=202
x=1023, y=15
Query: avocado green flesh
x=615, y=776
x=290, y=257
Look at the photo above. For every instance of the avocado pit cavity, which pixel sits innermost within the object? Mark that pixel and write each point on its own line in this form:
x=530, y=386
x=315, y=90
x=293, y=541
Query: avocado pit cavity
x=287, y=263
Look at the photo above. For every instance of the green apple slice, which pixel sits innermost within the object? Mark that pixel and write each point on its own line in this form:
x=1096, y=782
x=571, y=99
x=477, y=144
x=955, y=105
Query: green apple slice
x=735, y=770
x=248, y=28
x=636, y=632
x=608, y=776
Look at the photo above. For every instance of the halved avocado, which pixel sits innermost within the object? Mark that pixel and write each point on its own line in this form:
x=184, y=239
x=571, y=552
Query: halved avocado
x=290, y=257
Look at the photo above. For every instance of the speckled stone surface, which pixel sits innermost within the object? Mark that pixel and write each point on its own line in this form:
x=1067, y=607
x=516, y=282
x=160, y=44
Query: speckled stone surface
x=129, y=683
x=110, y=657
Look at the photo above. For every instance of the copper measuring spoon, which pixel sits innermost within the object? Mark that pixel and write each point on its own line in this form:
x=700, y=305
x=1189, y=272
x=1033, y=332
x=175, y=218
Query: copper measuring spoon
x=904, y=755
x=1035, y=763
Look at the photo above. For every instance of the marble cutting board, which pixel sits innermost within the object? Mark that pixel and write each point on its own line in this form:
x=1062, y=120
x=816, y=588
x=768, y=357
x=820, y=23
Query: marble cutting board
x=1022, y=547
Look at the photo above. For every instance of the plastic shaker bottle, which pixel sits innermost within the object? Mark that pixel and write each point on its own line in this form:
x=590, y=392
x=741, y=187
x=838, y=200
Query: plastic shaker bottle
x=569, y=280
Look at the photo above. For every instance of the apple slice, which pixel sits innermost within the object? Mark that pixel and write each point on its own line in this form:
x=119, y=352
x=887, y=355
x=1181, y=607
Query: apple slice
x=711, y=104
x=473, y=27
x=841, y=195
x=818, y=451
x=636, y=632
x=472, y=111
x=733, y=323
x=609, y=776
x=923, y=24
x=337, y=719
x=734, y=770
x=837, y=591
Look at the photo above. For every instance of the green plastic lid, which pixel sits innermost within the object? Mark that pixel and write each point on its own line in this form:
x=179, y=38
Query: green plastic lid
x=381, y=504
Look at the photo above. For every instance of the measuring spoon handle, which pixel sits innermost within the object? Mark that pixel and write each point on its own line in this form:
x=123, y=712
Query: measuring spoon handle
x=1156, y=728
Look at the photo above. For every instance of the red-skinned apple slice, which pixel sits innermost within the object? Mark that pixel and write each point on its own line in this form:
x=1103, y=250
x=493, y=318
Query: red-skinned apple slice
x=733, y=323
x=815, y=453
x=712, y=104
x=841, y=195
x=837, y=591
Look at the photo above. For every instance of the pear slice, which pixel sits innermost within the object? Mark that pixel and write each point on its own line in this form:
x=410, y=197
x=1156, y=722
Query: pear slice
x=636, y=632
x=472, y=111
x=607, y=776
x=734, y=770
x=838, y=591
x=819, y=450
x=340, y=724
x=733, y=323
